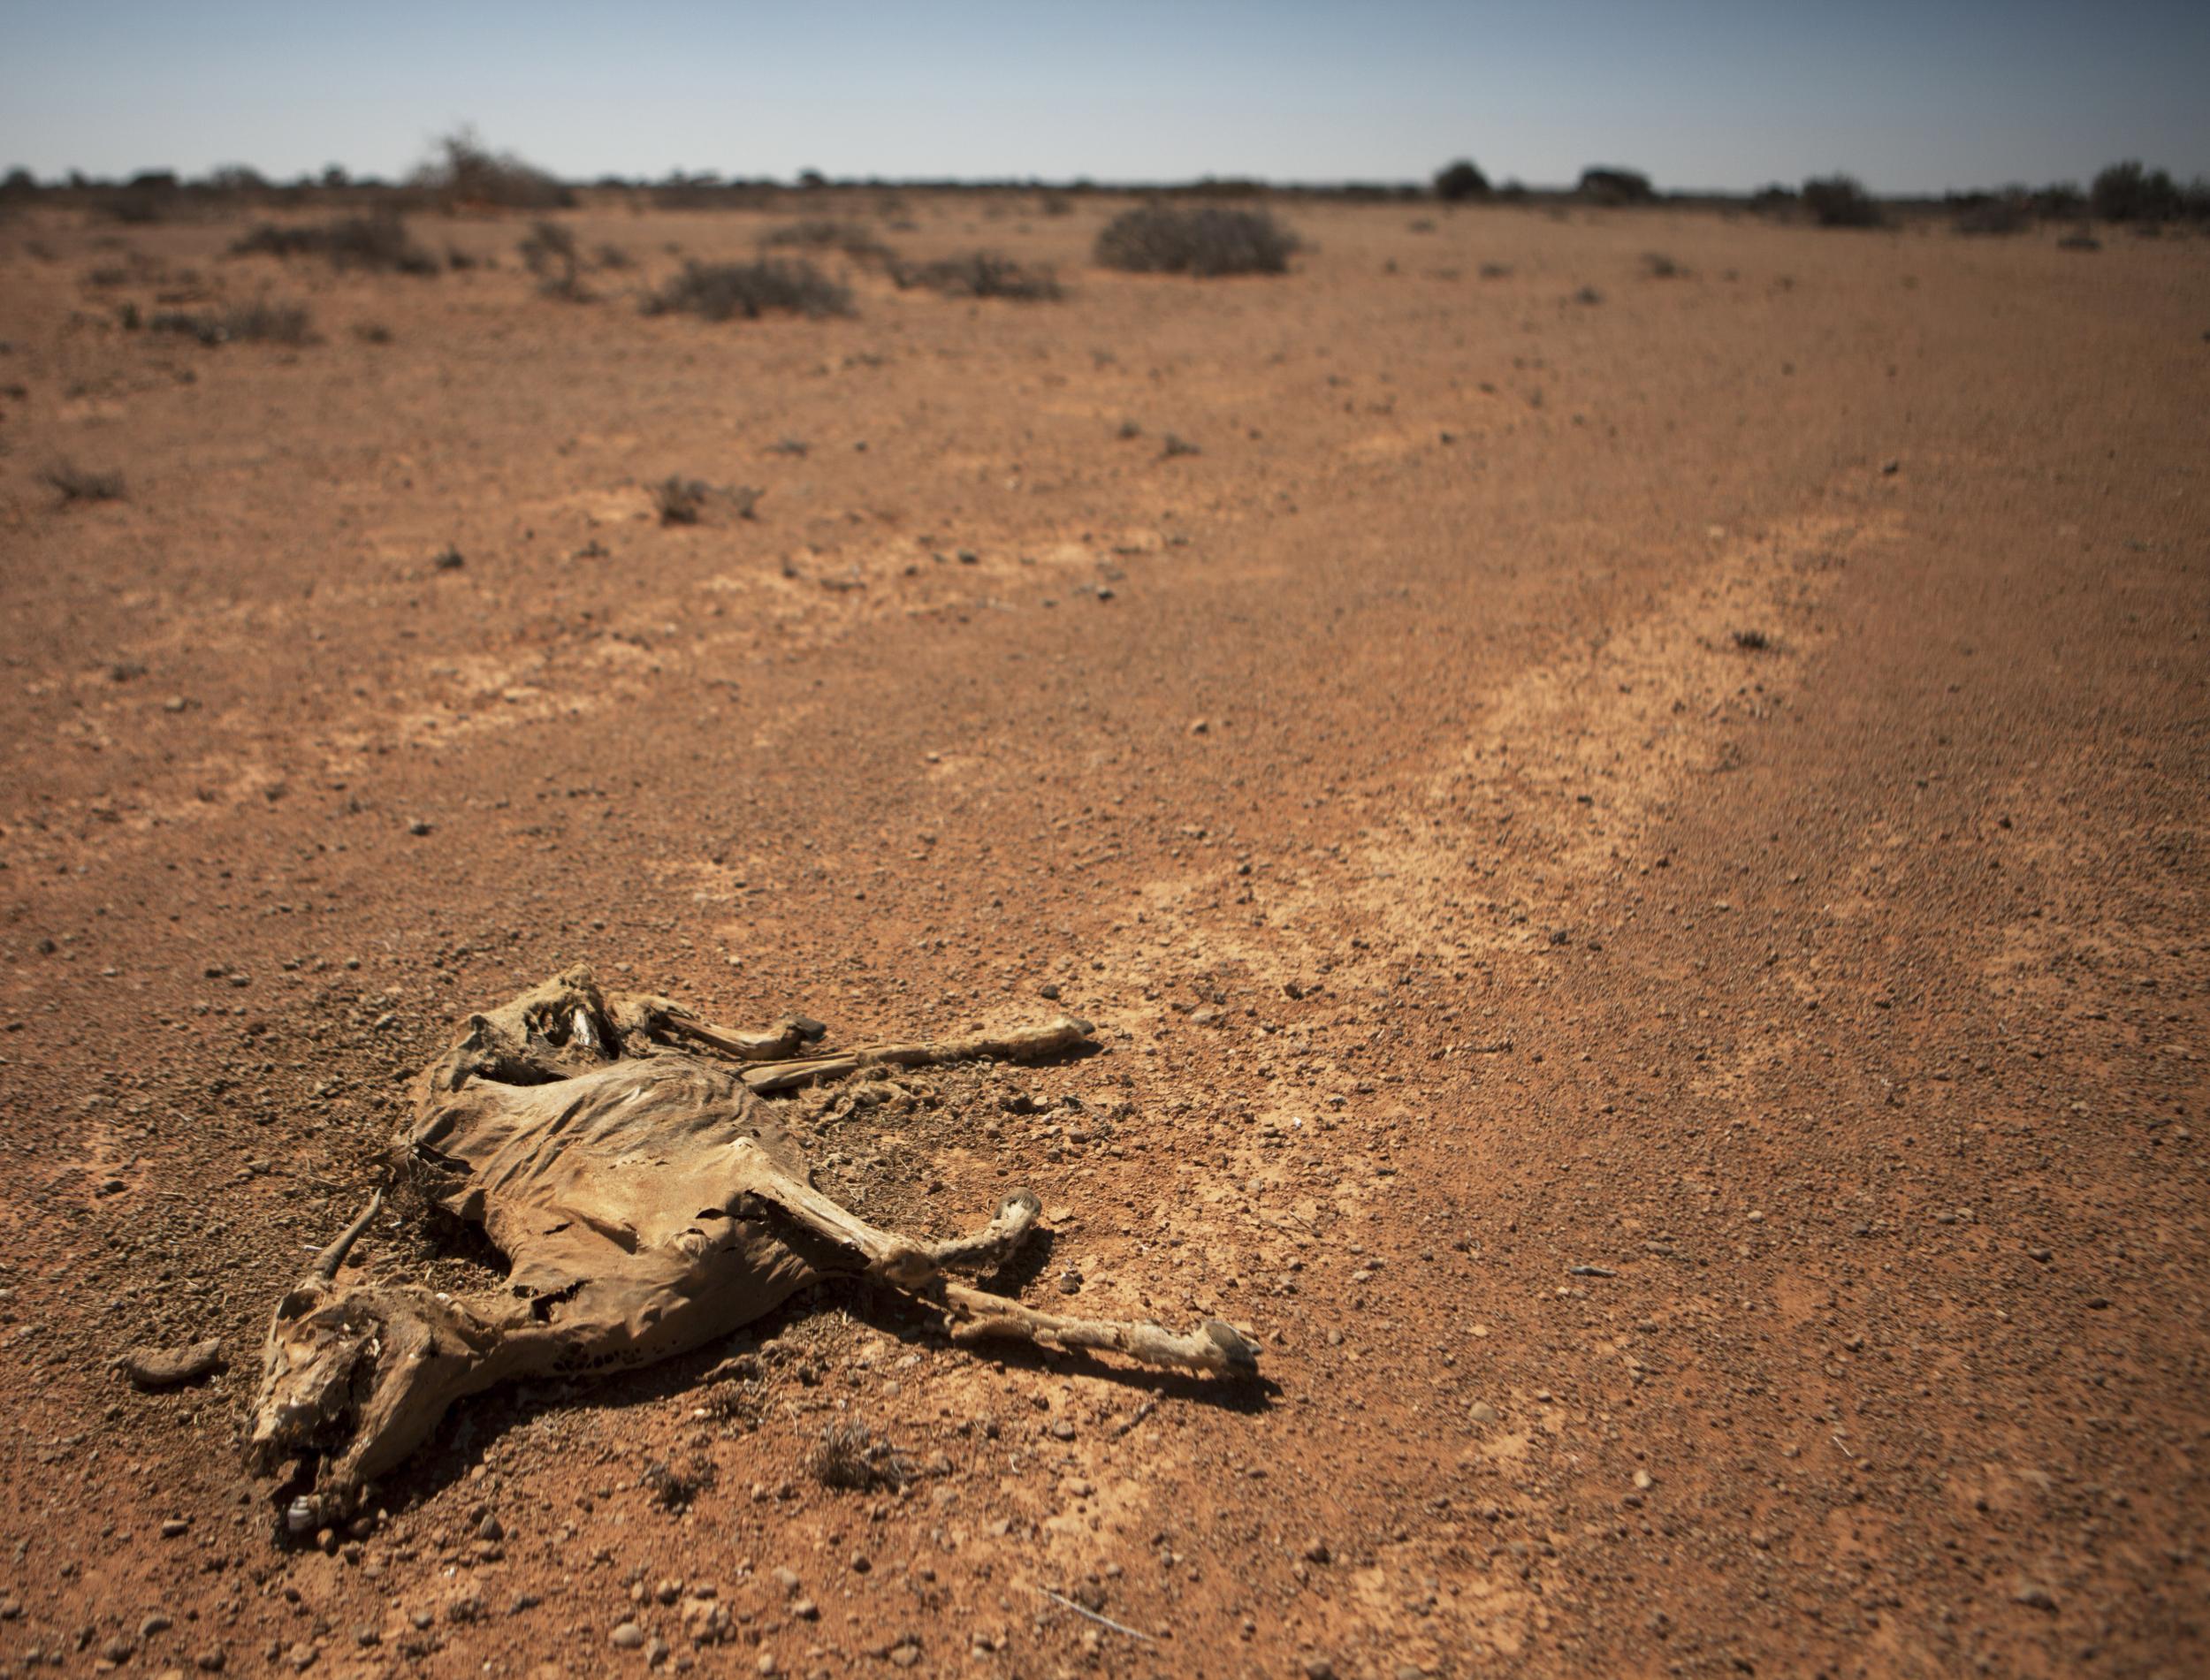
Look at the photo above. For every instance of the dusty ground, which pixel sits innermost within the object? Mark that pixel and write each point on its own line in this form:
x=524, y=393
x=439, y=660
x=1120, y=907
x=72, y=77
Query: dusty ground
x=1462, y=903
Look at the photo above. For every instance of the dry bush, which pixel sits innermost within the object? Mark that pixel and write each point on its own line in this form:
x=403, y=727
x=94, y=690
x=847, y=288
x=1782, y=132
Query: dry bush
x=1839, y=201
x=850, y=1457
x=73, y=483
x=1658, y=266
x=1994, y=213
x=241, y=323
x=720, y=291
x=980, y=274
x=679, y=499
x=818, y=234
x=1162, y=239
x=373, y=244
x=612, y=256
x=468, y=172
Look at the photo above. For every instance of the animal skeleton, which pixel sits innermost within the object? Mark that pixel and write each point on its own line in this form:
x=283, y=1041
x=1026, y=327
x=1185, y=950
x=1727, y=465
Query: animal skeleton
x=622, y=1154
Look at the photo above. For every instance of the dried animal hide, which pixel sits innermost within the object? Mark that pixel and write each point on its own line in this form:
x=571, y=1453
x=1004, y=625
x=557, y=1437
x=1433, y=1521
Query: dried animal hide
x=623, y=1155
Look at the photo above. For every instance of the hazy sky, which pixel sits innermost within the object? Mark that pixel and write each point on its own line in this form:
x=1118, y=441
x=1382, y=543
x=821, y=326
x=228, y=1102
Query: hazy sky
x=1908, y=97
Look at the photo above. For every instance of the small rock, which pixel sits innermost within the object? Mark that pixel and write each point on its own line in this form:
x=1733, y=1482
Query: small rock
x=210, y=1661
x=1891, y=467
x=2039, y=1598
x=656, y=1651
x=627, y=1636
x=157, y=1622
x=174, y=1527
x=302, y=1657
x=1481, y=1412
x=1319, y=1669
x=806, y=1610
x=1048, y=993
x=1316, y=1551
x=448, y=558
x=367, y=1635
x=787, y=1579
x=1642, y=1480
x=905, y=1656
x=418, y=827
x=490, y=1528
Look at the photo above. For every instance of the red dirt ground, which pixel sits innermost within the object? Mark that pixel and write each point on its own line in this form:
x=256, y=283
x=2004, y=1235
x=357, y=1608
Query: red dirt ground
x=1461, y=901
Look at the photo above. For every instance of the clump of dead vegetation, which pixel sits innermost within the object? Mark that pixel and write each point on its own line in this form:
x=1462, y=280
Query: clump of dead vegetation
x=674, y=1487
x=685, y=501
x=1206, y=240
x=851, y=1456
x=371, y=244
x=980, y=274
x=1614, y=187
x=279, y=323
x=549, y=252
x=848, y=239
x=466, y=173
x=73, y=483
x=722, y=291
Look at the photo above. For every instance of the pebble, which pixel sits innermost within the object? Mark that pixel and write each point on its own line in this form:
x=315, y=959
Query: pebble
x=1481, y=1412
x=490, y=1528
x=418, y=827
x=656, y=1653
x=627, y=1636
x=905, y=1656
x=1319, y=1669
x=787, y=1579
x=2039, y=1598
x=175, y=1526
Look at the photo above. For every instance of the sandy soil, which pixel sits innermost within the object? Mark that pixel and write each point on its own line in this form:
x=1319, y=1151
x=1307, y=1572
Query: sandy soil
x=1706, y=1133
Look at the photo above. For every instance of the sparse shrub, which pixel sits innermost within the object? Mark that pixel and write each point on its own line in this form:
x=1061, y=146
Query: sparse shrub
x=1608, y=185
x=1173, y=446
x=73, y=483
x=1839, y=201
x=1658, y=266
x=372, y=333
x=468, y=172
x=1994, y=214
x=718, y=291
x=980, y=274
x=1161, y=238
x=1458, y=182
x=818, y=234
x=2080, y=239
x=612, y=256
x=373, y=244
x=2127, y=192
x=2059, y=202
x=850, y=1457
x=1751, y=641
x=241, y=323
x=1588, y=294
x=550, y=254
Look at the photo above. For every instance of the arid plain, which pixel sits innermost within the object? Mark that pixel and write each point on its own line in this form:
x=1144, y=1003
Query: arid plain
x=1635, y=839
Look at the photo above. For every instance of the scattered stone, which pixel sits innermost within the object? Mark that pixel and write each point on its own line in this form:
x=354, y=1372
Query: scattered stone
x=418, y=827
x=2038, y=1597
x=905, y=1656
x=1481, y=1412
x=175, y=1528
x=787, y=1579
x=1319, y=1669
x=627, y=1636
x=805, y=1610
x=157, y=1622
x=1642, y=1480
x=448, y=558
x=490, y=1528
x=154, y=1368
x=1316, y=1551
x=656, y=1651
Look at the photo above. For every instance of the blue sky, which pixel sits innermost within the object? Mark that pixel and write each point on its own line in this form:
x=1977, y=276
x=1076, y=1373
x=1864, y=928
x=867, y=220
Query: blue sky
x=1910, y=98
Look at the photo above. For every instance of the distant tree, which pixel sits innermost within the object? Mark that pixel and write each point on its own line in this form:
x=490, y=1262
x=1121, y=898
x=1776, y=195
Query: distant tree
x=2127, y=192
x=812, y=179
x=1605, y=184
x=236, y=178
x=20, y=183
x=467, y=171
x=1460, y=181
x=1839, y=201
x=334, y=176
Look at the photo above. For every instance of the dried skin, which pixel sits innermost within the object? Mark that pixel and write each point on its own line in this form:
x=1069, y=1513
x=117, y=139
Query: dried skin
x=622, y=1154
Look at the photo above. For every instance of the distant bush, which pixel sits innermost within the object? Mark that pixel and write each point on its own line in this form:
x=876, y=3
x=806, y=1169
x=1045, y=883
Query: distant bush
x=466, y=172
x=1659, y=266
x=1608, y=185
x=1455, y=183
x=718, y=291
x=2129, y=192
x=2059, y=202
x=1838, y=200
x=1159, y=239
x=2080, y=239
x=241, y=323
x=820, y=234
x=980, y=274
x=374, y=244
